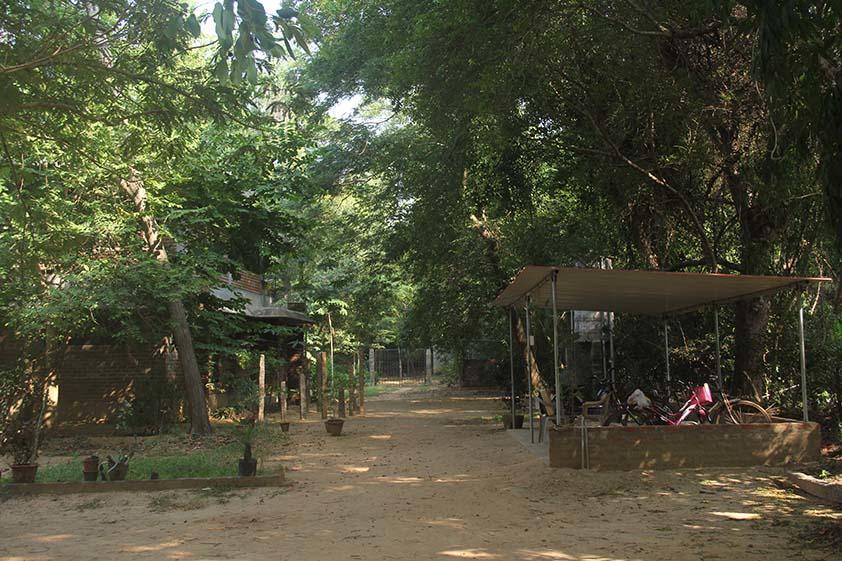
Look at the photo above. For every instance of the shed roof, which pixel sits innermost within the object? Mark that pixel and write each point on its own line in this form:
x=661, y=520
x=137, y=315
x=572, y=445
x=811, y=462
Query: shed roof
x=638, y=292
x=279, y=315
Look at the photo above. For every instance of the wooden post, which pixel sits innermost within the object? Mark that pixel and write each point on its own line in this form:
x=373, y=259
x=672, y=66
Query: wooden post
x=303, y=398
x=283, y=400
x=362, y=383
x=352, y=395
x=321, y=368
x=428, y=366
x=261, y=385
x=304, y=376
x=340, y=388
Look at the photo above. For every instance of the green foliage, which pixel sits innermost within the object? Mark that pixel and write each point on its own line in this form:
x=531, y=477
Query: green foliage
x=638, y=132
x=19, y=439
x=150, y=409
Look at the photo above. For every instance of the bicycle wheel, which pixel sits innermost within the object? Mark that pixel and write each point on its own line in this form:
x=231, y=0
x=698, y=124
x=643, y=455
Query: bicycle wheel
x=740, y=412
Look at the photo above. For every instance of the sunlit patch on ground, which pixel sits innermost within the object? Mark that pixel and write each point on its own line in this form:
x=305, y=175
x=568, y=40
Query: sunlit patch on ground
x=539, y=554
x=53, y=538
x=353, y=469
x=738, y=515
x=455, y=523
x=470, y=553
x=151, y=547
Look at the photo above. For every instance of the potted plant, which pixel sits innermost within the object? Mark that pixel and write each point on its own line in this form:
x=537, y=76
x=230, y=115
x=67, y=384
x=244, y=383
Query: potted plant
x=90, y=468
x=507, y=421
x=334, y=426
x=507, y=417
x=115, y=470
x=247, y=465
x=20, y=441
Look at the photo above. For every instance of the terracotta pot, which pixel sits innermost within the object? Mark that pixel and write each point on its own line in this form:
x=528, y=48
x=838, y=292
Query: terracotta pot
x=247, y=468
x=24, y=473
x=90, y=468
x=334, y=426
x=285, y=426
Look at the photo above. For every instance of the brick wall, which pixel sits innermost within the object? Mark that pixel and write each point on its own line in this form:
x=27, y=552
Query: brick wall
x=687, y=446
x=93, y=379
x=249, y=281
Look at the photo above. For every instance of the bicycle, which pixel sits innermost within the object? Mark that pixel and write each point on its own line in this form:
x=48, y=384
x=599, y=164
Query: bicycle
x=614, y=408
x=700, y=408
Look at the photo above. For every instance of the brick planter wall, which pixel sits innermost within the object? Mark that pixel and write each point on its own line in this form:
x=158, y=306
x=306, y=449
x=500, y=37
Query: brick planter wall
x=686, y=446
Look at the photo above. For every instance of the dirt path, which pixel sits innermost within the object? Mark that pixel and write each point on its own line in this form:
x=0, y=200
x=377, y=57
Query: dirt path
x=421, y=477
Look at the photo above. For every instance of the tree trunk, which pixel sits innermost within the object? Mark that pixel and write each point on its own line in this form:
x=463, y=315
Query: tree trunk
x=751, y=318
x=535, y=374
x=362, y=383
x=492, y=251
x=750, y=326
x=193, y=388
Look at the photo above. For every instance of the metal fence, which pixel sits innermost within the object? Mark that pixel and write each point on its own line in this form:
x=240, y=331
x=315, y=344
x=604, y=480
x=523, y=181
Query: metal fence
x=401, y=365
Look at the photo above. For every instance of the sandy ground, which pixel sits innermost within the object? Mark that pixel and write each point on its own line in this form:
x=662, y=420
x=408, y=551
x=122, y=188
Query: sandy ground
x=423, y=477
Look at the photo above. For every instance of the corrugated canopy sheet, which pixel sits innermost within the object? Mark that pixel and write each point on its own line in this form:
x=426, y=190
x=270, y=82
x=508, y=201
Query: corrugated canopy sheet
x=638, y=292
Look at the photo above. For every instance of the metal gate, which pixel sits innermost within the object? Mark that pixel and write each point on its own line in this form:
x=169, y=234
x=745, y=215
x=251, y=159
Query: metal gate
x=400, y=365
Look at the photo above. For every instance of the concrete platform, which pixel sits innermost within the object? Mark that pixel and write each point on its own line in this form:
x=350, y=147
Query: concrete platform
x=685, y=446
x=540, y=449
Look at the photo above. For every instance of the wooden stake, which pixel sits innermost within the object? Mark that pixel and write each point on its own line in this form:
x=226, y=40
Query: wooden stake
x=304, y=377
x=352, y=395
x=303, y=398
x=362, y=384
x=261, y=384
x=340, y=388
x=321, y=368
x=283, y=401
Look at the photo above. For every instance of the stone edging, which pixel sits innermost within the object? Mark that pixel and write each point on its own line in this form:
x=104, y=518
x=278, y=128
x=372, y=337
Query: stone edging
x=71, y=487
x=830, y=492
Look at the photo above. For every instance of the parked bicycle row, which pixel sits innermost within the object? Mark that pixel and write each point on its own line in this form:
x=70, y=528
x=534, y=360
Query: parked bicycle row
x=686, y=405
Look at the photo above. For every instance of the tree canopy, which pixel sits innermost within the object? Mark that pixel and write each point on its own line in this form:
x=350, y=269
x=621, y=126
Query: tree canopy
x=142, y=160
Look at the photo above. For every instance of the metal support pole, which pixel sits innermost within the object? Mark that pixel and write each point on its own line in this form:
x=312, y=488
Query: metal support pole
x=611, y=347
x=718, y=350
x=803, y=363
x=602, y=346
x=667, y=348
x=555, y=355
x=529, y=370
x=571, y=368
x=512, y=362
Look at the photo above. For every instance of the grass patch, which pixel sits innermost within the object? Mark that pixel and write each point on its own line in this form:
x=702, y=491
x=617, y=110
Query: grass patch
x=374, y=391
x=173, y=456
